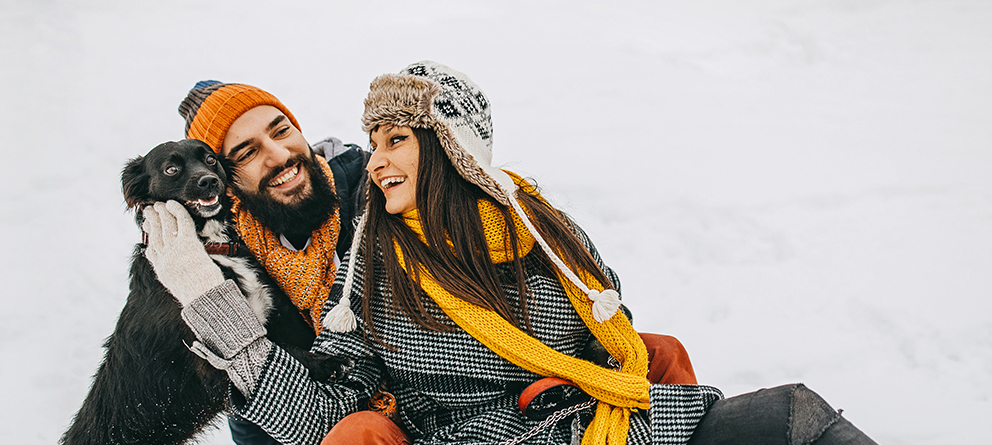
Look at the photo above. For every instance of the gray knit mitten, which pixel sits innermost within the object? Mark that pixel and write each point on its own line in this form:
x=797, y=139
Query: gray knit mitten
x=177, y=254
x=230, y=336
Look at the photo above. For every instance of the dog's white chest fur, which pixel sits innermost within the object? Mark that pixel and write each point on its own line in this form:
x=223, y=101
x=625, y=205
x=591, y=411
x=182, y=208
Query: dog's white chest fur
x=257, y=293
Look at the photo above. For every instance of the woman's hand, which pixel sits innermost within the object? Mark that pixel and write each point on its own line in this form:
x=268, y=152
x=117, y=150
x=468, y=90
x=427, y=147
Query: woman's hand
x=177, y=254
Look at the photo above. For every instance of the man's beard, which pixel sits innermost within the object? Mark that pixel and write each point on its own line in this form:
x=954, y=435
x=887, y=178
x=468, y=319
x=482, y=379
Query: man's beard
x=305, y=215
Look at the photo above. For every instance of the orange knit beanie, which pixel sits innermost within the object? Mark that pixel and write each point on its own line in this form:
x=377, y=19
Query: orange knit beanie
x=211, y=107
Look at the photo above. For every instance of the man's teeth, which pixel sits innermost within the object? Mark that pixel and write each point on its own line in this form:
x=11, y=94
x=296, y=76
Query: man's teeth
x=286, y=177
x=389, y=182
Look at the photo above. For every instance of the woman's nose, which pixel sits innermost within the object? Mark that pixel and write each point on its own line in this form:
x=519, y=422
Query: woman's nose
x=376, y=162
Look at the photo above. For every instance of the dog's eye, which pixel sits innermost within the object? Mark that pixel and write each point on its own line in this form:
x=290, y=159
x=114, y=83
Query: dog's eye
x=171, y=170
x=211, y=160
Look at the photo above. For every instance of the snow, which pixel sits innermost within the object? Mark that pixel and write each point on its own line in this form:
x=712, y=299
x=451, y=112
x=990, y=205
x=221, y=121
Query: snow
x=799, y=191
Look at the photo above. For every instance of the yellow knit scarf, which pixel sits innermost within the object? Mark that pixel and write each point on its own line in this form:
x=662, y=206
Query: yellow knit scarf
x=619, y=393
x=305, y=275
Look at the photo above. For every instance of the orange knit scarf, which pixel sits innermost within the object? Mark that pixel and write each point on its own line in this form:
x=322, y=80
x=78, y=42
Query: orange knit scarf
x=304, y=275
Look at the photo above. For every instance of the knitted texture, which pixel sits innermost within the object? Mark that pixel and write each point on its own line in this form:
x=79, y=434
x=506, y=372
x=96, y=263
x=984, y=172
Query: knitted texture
x=211, y=107
x=304, y=275
x=176, y=252
x=450, y=389
x=231, y=333
x=219, y=307
x=624, y=391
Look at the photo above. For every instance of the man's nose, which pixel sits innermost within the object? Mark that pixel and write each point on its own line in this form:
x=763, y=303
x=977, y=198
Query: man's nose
x=276, y=155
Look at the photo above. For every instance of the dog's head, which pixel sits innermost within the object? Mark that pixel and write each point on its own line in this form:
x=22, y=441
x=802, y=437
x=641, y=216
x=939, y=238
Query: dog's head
x=186, y=171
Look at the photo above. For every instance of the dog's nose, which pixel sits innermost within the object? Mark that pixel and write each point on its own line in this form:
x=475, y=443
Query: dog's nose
x=207, y=181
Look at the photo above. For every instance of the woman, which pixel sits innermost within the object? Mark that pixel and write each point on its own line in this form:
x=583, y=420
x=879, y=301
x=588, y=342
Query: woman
x=468, y=287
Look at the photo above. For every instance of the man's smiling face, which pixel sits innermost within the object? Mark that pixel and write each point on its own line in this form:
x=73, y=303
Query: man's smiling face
x=271, y=156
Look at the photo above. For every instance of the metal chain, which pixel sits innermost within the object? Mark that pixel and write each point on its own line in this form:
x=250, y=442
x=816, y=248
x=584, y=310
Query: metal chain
x=550, y=421
x=559, y=415
x=614, y=363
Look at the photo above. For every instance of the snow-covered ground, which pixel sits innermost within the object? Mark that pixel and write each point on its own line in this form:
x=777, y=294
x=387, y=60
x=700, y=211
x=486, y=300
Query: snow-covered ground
x=800, y=191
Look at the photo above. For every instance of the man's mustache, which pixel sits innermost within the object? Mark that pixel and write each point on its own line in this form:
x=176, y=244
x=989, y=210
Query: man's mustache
x=304, y=162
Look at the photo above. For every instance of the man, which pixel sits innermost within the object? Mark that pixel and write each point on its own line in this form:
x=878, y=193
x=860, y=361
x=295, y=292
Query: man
x=292, y=208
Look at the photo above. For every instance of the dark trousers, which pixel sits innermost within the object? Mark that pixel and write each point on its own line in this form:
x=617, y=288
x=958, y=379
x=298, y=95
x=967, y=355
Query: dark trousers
x=786, y=415
x=244, y=432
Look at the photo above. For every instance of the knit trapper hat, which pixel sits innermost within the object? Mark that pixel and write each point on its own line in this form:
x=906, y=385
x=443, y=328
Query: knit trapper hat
x=211, y=107
x=430, y=95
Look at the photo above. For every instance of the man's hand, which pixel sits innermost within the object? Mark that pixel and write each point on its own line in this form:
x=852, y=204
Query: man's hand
x=176, y=253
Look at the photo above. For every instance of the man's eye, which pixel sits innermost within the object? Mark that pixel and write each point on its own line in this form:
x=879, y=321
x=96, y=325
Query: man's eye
x=171, y=170
x=281, y=131
x=210, y=160
x=245, y=155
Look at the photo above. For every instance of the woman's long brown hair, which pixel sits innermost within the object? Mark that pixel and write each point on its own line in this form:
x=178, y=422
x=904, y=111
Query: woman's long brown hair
x=448, y=208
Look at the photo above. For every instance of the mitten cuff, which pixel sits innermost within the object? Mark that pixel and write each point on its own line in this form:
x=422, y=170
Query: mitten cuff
x=222, y=320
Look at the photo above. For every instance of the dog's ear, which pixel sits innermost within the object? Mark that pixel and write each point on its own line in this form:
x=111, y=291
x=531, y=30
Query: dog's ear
x=134, y=182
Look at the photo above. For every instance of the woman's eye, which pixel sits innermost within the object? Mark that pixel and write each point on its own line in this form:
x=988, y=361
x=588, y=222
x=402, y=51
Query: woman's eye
x=171, y=170
x=397, y=139
x=211, y=160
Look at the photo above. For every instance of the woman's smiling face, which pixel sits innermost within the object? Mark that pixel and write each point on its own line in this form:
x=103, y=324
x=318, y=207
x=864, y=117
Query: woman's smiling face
x=393, y=166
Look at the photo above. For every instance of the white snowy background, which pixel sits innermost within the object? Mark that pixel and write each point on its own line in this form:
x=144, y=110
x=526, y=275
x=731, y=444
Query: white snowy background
x=799, y=190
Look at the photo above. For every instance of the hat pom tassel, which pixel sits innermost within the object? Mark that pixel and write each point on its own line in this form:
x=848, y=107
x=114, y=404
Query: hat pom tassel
x=341, y=318
x=604, y=304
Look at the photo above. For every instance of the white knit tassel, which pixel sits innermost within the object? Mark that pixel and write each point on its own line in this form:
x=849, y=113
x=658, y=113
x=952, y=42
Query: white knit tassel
x=604, y=304
x=341, y=318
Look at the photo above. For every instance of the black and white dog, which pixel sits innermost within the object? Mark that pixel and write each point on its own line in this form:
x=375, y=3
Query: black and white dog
x=150, y=388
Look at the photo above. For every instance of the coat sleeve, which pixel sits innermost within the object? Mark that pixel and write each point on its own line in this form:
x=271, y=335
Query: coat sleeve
x=294, y=409
x=269, y=387
x=677, y=409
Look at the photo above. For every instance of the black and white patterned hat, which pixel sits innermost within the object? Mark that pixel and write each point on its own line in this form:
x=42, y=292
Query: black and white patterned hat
x=430, y=95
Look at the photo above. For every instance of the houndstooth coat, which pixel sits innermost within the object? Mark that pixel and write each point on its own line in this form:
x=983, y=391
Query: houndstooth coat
x=449, y=388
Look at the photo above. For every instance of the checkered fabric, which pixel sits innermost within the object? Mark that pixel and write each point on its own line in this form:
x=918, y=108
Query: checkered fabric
x=449, y=388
